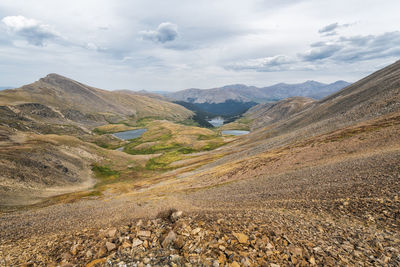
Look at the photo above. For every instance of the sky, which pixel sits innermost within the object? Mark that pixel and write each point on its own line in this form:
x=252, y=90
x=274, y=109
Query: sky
x=172, y=45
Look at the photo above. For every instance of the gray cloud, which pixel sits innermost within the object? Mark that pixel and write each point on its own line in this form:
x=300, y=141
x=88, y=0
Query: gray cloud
x=165, y=32
x=31, y=30
x=270, y=64
x=343, y=50
x=358, y=48
x=321, y=52
x=329, y=28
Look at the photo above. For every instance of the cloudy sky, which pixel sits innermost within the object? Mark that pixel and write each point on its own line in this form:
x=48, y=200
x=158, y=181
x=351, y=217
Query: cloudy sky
x=179, y=44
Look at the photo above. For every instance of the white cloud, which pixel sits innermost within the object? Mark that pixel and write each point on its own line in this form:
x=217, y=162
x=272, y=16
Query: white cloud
x=165, y=32
x=33, y=31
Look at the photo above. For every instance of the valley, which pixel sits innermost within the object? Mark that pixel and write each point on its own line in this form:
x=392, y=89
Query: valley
x=105, y=178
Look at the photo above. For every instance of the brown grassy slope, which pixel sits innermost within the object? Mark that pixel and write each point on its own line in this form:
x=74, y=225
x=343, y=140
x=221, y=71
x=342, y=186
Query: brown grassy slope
x=268, y=113
x=69, y=96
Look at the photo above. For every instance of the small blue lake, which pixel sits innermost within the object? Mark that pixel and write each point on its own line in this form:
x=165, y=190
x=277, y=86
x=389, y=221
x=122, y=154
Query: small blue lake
x=130, y=134
x=235, y=132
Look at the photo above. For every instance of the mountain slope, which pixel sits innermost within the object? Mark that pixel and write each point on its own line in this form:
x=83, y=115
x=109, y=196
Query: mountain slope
x=77, y=102
x=243, y=93
x=268, y=113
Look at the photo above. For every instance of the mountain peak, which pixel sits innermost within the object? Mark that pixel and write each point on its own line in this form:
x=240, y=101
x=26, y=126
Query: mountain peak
x=54, y=76
x=312, y=82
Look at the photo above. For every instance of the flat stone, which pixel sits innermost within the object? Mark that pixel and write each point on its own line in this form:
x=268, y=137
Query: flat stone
x=136, y=242
x=110, y=246
x=242, y=238
x=111, y=233
x=144, y=233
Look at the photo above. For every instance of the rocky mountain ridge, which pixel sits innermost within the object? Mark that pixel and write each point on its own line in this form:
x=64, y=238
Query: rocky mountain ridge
x=70, y=100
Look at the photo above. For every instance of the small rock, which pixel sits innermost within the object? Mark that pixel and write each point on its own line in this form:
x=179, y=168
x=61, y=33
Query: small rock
x=176, y=215
x=196, y=231
x=111, y=233
x=74, y=249
x=89, y=253
x=296, y=251
x=179, y=242
x=175, y=258
x=126, y=244
x=245, y=262
x=110, y=246
x=136, y=242
x=96, y=262
x=66, y=256
x=144, y=234
x=146, y=260
x=169, y=239
x=242, y=238
x=102, y=252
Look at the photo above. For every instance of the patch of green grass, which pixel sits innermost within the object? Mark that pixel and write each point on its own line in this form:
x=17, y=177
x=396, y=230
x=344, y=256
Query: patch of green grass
x=206, y=137
x=186, y=150
x=106, y=145
x=104, y=172
x=105, y=175
x=158, y=148
x=98, y=131
x=189, y=122
x=143, y=122
x=212, y=146
x=162, y=162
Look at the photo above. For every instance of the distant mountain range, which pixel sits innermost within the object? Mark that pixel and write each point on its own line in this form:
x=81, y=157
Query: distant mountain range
x=244, y=93
x=5, y=87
